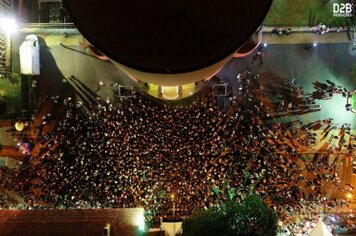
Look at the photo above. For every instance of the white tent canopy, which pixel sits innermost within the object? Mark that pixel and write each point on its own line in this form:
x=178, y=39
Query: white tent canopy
x=320, y=230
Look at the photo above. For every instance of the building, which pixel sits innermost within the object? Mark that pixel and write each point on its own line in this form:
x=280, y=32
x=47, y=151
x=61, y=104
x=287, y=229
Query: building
x=170, y=46
x=5, y=51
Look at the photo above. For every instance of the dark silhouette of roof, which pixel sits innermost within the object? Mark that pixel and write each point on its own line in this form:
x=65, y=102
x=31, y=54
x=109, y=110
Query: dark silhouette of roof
x=167, y=36
x=69, y=222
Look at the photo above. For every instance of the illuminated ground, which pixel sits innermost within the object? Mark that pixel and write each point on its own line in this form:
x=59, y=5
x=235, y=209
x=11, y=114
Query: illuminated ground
x=11, y=91
x=282, y=63
x=353, y=101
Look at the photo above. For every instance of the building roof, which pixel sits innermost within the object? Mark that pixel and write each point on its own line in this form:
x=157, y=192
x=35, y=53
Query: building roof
x=167, y=36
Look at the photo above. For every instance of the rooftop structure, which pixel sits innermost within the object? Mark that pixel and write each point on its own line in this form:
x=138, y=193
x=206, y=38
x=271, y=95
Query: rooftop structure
x=168, y=43
x=5, y=12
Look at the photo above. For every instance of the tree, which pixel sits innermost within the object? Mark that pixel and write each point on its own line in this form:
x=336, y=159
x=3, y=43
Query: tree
x=251, y=217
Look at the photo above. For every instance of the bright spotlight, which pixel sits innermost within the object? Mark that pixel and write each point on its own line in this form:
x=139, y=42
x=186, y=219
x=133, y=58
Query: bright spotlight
x=140, y=222
x=8, y=25
x=315, y=44
x=265, y=45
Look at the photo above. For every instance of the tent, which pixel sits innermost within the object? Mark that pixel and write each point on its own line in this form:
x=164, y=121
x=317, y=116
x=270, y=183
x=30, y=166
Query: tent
x=320, y=229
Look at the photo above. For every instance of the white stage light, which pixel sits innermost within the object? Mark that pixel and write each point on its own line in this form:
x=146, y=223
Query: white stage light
x=8, y=25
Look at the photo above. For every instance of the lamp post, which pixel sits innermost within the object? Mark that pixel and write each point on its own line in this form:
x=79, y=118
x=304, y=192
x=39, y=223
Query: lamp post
x=349, y=196
x=174, y=207
x=174, y=211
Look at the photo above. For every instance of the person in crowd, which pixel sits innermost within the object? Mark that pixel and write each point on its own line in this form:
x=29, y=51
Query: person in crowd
x=139, y=152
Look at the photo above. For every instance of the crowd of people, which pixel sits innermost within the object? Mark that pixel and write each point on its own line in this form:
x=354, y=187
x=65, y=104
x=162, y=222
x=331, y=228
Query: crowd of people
x=320, y=29
x=140, y=153
x=350, y=103
x=281, y=31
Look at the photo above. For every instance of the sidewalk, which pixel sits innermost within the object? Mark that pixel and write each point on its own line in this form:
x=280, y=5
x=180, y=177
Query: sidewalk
x=299, y=35
x=12, y=152
x=304, y=35
x=9, y=162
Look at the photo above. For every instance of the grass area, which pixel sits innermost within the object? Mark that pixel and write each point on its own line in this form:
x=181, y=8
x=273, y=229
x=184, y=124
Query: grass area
x=304, y=13
x=10, y=89
x=353, y=101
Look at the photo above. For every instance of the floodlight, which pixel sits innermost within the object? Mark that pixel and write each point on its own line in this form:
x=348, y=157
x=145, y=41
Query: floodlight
x=8, y=25
x=19, y=126
x=315, y=44
x=140, y=222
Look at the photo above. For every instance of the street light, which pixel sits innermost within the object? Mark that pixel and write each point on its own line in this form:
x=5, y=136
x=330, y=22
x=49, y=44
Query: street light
x=174, y=206
x=174, y=212
x=19, y=126
x=8, y=25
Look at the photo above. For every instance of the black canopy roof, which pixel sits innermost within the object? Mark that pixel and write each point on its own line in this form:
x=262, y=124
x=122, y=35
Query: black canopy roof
x=167, y=36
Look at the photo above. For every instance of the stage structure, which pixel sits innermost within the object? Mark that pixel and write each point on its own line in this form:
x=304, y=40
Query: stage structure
x=5, y=39
x=170, y=43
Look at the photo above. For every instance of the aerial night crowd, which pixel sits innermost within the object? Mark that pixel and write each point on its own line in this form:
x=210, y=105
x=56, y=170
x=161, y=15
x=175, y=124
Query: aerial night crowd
x=143, y=153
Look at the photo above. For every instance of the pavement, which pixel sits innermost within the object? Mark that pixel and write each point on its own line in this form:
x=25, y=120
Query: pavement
x=306, y=38
x=299, y=35
x=284, y=59
x=63, y=57
x=305, y=34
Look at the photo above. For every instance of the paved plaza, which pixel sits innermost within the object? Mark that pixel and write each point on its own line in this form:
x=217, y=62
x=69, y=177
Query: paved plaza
x=290, y=73
x=152, y=117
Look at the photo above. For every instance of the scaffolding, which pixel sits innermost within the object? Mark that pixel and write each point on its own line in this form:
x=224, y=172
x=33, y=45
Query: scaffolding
x=5, y=63
x=51, y=11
